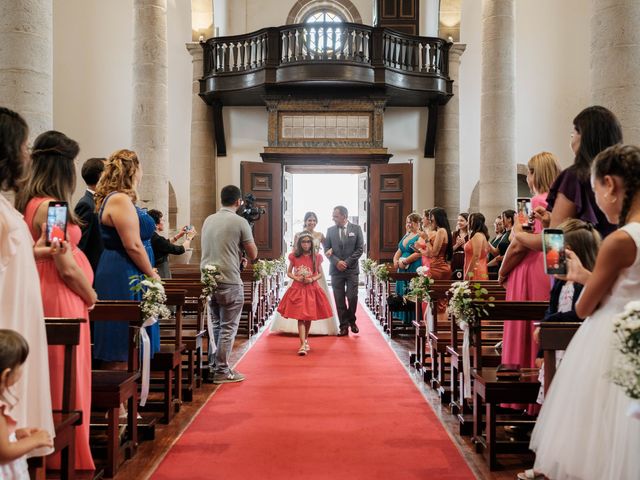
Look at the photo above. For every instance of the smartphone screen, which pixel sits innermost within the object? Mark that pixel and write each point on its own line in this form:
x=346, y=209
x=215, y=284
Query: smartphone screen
x=57, y=215
x=554, y=256
x=523, y=210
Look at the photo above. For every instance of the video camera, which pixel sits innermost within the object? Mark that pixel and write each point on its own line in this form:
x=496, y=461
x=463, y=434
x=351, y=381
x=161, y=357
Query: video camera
x=249, y=211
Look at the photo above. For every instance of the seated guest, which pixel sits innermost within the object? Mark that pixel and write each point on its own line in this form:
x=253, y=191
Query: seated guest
x=476, y=249
x=65, y=280
x=90, y=242
x=162, y=247
x=20, y=297
x=459, y=238
x=406, y=259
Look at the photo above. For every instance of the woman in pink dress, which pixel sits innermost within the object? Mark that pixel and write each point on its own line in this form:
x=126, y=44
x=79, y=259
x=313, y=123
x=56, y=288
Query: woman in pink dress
x=476, y=249
x=525, y=279
x=65, y=283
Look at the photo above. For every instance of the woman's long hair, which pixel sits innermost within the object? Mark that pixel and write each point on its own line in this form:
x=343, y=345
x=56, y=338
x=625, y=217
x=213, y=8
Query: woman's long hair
x=13, y=135
x=599, y=128
x=440, y=218
x=477, y=224
x=298, y=251
x=52, y=172
x=545, y=168
x=118, y=176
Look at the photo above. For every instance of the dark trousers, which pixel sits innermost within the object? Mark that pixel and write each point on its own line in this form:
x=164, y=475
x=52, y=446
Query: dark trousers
x=345, y=290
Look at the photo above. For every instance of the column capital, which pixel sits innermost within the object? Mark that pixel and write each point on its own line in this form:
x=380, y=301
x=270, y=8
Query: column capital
x=195, y=49
x=456, y=50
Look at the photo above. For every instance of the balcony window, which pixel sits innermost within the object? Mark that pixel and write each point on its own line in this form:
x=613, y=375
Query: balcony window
x=325, y=38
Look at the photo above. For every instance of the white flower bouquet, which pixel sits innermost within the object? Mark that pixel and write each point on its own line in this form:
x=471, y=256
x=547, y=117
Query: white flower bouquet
x=626, y=366
x=153, y=304
x=467, y=303
x=303, y=271
x=419, y=287
x=368, y=265
x=210, y=276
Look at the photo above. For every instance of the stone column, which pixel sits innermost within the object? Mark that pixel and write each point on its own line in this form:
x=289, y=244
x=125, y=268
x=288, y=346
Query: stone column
x=447, y=160
x=150, y=101
x=26, y=61
x=498, y=179
x=429, y=17
x=615, y=62
x=203, y=193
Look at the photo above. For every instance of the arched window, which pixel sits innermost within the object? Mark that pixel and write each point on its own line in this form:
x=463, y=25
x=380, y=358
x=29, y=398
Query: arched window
x=325, y=38
x=323, y=16
x=323, y=11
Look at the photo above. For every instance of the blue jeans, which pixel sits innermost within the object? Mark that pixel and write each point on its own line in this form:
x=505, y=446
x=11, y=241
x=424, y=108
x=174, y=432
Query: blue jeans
x=226, y=308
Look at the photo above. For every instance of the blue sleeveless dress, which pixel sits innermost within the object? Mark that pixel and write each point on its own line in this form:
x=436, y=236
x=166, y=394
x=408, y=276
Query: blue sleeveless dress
x=112, y=283
x=402, y=286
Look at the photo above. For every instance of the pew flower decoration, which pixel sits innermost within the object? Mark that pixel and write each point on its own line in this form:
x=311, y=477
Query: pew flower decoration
x=467, y=303
x=280, y=265
x=153, y=296
x=420, y=286
x=368, y=265
x=382, y=272
x=259, y=270
x=626, y=366
x=210, y=276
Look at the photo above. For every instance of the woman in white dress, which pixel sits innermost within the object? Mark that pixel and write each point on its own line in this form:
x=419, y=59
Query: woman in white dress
x=328, y=326
x=583, y=431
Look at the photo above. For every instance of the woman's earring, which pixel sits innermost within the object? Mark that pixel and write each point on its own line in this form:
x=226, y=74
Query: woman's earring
x=613, y=199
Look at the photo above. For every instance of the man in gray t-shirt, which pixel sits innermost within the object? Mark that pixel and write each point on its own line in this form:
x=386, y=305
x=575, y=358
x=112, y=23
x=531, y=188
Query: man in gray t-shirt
x=224, y=235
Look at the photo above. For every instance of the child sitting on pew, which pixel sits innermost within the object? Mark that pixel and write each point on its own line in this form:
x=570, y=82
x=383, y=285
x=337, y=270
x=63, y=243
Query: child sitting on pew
x=15, y=443
x=584, y=241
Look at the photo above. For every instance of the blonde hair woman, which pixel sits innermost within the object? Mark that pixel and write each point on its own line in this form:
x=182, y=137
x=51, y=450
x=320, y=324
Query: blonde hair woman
x=126, y=233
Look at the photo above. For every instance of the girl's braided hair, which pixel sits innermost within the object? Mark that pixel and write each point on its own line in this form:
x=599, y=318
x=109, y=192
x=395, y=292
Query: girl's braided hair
x=622, y=161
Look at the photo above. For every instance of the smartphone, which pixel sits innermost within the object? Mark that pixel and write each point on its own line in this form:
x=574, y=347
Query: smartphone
x=57, y=218
x=523, y=210
x=555, y=262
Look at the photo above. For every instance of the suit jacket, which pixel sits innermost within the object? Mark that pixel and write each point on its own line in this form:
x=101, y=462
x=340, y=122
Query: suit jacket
x=91, y=241
x=350, y=251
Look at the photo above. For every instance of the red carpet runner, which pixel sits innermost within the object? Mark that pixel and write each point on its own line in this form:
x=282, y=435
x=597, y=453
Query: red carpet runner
x=346, y=411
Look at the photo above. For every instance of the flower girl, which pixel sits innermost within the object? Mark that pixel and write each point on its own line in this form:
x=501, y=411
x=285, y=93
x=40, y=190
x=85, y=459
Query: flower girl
x=583, y=431
x=15, y=443
x=304, y=301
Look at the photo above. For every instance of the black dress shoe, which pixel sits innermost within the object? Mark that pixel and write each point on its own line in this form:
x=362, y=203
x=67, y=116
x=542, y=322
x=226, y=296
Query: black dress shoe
x=343, y=332
x=354, y=328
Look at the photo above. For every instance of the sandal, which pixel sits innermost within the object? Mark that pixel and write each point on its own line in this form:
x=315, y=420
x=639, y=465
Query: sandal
x=306, y=346
x=530, y=474
x=302, y=351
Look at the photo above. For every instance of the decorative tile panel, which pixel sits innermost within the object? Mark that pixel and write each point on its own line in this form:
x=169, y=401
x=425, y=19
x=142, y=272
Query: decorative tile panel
x=335, y=127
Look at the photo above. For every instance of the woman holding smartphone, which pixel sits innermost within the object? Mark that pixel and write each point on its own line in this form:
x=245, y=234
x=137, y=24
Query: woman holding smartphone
x=65, y=280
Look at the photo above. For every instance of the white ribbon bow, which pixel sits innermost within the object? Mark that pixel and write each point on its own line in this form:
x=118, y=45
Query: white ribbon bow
x=212, y=340
x=634, y=409
x=466, y=359
x=146, y=359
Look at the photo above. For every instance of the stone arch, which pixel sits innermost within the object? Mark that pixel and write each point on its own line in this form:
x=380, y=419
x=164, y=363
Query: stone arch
x=302, y=8
x=172, y=214
x=474, y=200
x=521, y=181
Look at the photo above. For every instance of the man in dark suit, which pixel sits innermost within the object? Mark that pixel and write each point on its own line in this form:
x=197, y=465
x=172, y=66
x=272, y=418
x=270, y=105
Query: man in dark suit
x=91, y=241
x=344, y=245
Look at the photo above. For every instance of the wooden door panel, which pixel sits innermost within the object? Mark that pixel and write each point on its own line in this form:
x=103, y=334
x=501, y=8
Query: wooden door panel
x=391, y=200
x=264, y=181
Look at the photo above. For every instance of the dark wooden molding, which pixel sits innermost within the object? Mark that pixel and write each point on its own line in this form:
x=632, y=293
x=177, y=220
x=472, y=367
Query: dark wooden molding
x=432, y=126
x=218, y=129
x=305, y=156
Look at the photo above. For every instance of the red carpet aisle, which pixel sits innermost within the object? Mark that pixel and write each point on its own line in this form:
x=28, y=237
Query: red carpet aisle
x=346, y=411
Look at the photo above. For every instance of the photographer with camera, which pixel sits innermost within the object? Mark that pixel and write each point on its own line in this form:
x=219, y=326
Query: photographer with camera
x=163, y=247
x=225, y=235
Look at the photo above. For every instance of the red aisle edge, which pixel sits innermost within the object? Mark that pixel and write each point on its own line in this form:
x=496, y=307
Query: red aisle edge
x=347, y=410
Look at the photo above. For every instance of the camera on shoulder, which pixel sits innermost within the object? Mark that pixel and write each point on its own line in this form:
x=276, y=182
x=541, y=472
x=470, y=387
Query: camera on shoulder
x=249, y=211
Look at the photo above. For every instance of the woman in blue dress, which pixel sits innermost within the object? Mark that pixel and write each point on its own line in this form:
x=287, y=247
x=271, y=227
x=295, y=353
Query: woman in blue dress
x=126, y=231
x=407, y=259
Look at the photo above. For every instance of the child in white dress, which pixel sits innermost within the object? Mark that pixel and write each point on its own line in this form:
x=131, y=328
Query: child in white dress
x=15, y=443
x=583, y=431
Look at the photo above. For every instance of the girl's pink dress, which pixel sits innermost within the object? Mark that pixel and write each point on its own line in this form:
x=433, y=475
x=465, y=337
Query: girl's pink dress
x=526, y=282
x=16, y=469
x=59, y=300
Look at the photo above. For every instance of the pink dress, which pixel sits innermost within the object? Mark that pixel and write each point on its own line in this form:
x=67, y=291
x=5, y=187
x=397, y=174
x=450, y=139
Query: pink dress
x=526, y=282
x=59, y=300
x=16, y=469
x=21, y=310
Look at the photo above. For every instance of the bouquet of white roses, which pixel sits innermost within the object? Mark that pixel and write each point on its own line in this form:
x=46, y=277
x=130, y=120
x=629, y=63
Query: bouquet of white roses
x=467, y=303
x=153, y=296
x=382, y=272
x=259, y=270
x=210, y=276
x=626, y=366
x=368, y=265
x=303, y=271
x=419, y=287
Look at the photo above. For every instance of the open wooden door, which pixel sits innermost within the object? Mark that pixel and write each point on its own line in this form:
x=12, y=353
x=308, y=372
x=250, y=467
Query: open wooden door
x=264, y=180
x=390, y=201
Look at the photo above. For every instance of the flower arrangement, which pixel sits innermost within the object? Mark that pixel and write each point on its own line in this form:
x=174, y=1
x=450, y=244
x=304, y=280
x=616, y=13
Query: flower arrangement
x=419, y=287
x=280, y=265
x=153, y=296
x=259, y=270
x=467, y=302
x=303, y=271
x=382, y=272
x=210, y=276
x=368, y=265
x=626, y=366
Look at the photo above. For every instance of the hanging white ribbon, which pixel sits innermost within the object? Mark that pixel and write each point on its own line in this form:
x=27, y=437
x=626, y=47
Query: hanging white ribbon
x=466, y=359
x=428, y=323
x=212, y=340
x=634, y=410
x=146, y=359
